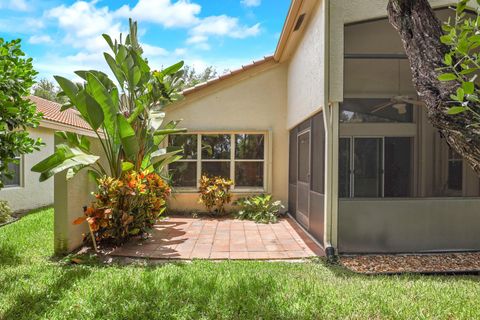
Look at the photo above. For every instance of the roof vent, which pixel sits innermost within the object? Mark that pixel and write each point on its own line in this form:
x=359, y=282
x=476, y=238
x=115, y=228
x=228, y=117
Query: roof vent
x=299, y=22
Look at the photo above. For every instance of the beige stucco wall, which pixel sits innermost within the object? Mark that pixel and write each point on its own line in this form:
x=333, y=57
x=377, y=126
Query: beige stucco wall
x=32, y=193
x=256, y=102
x=306, y=90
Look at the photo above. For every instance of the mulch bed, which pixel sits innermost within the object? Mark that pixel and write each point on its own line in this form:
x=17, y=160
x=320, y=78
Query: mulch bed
x=414, y=263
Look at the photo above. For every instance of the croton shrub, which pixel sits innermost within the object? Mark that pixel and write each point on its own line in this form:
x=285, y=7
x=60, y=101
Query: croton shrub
x=125, y=207
x=215, y=193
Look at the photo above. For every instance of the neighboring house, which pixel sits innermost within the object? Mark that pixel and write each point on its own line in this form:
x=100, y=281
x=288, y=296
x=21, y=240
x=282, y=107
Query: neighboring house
x=331, y=126
x=24, y=191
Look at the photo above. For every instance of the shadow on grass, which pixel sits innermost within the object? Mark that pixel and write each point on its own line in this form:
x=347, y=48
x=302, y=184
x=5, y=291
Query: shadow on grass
x=9, y=255
x=213, y=293
x=31, y=304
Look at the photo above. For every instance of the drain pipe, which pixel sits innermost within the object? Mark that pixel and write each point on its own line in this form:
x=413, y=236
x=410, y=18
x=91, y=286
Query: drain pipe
x=328, y=117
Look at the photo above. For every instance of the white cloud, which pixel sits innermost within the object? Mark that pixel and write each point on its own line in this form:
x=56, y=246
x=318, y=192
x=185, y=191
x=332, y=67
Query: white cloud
x=17, y=5
x=198, y=38
x=54, y=64
x=251, y=3
x=180, y=51
x=40, y=39
x=152, y=51
x=182, y=13
x=84, y=24
x=222, y=25
x=23, y=25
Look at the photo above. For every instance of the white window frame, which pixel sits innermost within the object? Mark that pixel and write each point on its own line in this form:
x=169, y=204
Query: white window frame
x=20, y=178
x=232, y=160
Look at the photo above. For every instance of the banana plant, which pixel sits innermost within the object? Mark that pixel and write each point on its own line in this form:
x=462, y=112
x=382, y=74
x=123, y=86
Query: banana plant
x=126, y=114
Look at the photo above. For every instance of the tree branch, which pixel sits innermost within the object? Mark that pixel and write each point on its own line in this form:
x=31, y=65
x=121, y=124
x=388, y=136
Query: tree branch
x=420, y=31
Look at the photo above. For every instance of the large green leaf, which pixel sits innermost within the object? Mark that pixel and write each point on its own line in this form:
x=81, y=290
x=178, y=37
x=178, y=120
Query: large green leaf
x=101, y=76
x=64, y=158
x=139, y=107
x=117, y=71
x=108, y=39
x=134, y=76
x=127, y=136
x=68, y=87
x=164, y=153
x=160, y=135
x=172, y=69
x=74, y=140
x=101, y=95
x=160, y=165
x=94, y=111
x=89, y=109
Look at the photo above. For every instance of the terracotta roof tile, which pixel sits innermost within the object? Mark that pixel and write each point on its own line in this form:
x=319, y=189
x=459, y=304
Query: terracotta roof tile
x=228, y=75
x=51, y=111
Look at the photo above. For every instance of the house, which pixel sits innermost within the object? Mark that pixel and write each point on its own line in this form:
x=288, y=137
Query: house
x=331, y=125
x=24, y=192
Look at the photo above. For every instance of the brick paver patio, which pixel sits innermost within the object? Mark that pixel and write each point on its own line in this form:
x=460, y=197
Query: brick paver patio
x=218, y=239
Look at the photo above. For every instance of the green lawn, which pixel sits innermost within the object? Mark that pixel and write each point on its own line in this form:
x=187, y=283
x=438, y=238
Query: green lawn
x=35, y=286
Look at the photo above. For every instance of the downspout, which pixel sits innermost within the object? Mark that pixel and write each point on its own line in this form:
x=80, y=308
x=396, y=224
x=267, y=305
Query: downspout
x=329, y=136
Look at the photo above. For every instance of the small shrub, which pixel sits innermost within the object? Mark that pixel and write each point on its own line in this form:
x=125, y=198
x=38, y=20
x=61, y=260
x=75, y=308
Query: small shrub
x=5, y=212
x=126, y=207
x=215, y=193
x=259, y=208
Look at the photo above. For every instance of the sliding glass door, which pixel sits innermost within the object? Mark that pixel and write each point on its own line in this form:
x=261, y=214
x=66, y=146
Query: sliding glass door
x=367, y=167
x=375, y=167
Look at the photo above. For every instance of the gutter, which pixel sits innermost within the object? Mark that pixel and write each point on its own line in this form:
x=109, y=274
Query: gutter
x=329, y=138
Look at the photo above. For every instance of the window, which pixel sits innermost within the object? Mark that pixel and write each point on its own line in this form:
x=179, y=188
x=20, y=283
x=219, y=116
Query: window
x=216, y=155
x=455, y=171
x=375, y=110
x=236, y=156
x=16, y=169
x=184, y=172
x=374, y=167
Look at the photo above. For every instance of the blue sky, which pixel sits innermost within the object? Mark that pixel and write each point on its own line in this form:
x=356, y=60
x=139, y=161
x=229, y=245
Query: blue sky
x=65, y=35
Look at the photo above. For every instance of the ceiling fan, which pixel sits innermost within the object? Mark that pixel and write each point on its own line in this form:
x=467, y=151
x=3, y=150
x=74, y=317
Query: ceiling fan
x=399, y=103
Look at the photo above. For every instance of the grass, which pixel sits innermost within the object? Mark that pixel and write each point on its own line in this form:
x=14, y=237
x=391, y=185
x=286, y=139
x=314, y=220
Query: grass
x=35, y=286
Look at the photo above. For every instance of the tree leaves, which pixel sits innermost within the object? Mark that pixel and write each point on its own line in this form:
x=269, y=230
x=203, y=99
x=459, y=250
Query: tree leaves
x=447, y=77
x=17, y=112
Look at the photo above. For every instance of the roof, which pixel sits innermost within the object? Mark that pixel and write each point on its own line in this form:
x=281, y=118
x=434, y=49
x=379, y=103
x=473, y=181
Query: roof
x=51, y=111
x=288, y=27
x=229, y=74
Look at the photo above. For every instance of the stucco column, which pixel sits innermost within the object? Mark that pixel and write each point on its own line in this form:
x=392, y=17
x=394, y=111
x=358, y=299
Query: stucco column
x=69, y=199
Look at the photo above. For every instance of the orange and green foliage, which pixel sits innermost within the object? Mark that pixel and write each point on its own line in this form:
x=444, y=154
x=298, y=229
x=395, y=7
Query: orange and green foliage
x=215, y=193
x=127, y=206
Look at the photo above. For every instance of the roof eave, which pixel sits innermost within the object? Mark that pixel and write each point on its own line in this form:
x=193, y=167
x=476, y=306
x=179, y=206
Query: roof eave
x=288, y=26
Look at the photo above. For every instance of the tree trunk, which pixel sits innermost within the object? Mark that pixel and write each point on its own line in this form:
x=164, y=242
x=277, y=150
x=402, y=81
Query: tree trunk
x=420, y=31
